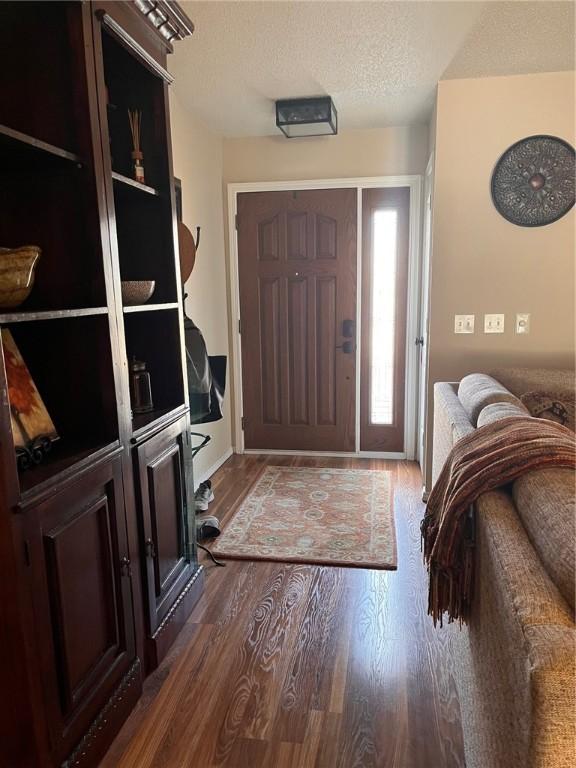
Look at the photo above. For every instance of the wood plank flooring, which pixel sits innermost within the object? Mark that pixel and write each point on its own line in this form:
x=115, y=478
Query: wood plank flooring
x=299, y=666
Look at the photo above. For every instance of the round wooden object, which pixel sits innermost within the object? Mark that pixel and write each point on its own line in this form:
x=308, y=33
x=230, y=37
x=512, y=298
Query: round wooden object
x=187, y=248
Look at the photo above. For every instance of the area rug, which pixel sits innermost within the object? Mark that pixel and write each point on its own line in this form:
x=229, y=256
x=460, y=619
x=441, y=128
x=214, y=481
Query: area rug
x=320, y=516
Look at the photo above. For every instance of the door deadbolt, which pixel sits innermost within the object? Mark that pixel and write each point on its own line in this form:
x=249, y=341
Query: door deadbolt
x=348, y=329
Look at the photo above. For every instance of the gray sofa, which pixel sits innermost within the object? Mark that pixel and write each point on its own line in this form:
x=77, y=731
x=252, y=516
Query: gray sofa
x=514, y=662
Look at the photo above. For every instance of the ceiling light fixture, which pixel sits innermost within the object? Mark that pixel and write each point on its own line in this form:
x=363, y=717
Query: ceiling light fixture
x=307, y=117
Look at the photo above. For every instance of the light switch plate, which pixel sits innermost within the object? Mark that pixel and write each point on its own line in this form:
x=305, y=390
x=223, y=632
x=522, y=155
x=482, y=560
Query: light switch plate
x=493, y=323
x=523, y=322
x=463, y=323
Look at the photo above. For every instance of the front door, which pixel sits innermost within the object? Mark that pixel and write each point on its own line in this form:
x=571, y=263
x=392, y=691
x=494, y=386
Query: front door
x=297, y=273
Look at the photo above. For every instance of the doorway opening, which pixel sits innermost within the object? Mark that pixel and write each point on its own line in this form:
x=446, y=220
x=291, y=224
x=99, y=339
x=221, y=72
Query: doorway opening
x=327, y=364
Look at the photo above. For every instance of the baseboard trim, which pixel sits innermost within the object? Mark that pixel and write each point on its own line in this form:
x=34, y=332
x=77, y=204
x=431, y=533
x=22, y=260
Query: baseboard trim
x=329, y=454
x=214, y=468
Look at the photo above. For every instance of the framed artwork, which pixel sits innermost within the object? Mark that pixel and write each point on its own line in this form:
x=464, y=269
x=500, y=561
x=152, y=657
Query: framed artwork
x=32, y=426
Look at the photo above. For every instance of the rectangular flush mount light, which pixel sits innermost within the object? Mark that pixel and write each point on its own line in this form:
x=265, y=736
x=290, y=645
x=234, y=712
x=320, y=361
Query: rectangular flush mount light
x=307, y=117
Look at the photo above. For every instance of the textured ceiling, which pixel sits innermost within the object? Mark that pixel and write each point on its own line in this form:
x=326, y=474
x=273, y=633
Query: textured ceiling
x=380, y=61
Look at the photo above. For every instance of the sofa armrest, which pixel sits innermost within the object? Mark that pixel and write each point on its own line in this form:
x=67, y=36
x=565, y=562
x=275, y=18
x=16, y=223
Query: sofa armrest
x=450, y=423
x=552, y=670
x=523, y=636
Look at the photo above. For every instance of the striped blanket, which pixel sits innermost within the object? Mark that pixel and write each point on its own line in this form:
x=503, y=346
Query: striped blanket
x=487, y=458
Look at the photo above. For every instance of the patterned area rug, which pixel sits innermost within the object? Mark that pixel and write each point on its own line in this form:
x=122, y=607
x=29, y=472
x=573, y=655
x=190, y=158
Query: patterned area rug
x=319, y=516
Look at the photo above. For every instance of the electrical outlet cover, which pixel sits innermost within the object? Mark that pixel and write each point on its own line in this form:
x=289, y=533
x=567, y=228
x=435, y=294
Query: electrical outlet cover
x=523, y=322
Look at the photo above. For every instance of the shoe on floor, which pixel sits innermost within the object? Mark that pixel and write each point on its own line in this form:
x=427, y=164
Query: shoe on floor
x=207, y=527
x=203, y=496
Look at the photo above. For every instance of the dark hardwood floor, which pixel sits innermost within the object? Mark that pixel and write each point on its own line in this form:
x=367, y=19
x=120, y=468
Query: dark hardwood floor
x=298, y=666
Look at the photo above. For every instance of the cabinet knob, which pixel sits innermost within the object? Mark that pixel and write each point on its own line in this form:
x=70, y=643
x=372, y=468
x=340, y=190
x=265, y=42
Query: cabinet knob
x=150, y=548
x=125, y=567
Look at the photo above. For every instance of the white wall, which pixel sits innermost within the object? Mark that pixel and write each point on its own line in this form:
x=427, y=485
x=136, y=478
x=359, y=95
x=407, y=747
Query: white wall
x=198, y=163
x=377, y=152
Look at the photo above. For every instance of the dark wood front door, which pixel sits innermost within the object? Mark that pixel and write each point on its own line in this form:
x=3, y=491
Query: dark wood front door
x=297, y=270
x=385, y=240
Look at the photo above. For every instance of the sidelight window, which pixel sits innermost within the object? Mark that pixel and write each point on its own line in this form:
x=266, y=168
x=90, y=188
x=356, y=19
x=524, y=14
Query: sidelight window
x=383, y=315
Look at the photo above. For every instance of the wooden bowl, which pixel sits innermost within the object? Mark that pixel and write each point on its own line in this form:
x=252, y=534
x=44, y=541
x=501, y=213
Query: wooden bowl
x=137, y=291
x=17, y=274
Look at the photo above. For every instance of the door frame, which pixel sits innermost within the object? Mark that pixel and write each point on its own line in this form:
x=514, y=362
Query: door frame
x=414, y=183
x=426, y=259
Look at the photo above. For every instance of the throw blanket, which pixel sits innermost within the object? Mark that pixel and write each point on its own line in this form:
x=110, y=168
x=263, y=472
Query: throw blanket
x=487, y=458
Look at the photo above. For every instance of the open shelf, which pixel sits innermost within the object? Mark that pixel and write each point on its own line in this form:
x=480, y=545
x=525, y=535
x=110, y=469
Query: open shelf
x=145, y=242
x=133, y=184
x=143, y=212
x=143, y=424
x=133, y=86
x=53, y=209
x=57, y=314
x=41, y=97
x=65, y=458
x=70, y=363
x=151, y=307
x=154, y=338
x=14, y=139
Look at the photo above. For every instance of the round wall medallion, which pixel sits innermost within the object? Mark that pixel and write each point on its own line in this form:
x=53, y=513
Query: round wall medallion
x=533, y=182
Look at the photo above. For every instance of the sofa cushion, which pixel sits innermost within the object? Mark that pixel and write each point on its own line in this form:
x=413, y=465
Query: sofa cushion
x=550, y=406
x=546, y=505
x=521, y=380
x=477, y=390
x=497, y=411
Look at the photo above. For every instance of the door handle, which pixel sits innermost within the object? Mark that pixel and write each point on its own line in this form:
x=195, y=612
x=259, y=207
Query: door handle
x=126, y=567
x=347, y=347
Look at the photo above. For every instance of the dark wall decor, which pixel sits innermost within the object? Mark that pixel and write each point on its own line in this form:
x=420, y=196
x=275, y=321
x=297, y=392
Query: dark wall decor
x=533, y=181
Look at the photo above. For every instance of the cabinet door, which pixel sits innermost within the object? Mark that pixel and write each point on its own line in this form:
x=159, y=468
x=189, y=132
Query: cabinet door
x=162, y=492
x=82, y=601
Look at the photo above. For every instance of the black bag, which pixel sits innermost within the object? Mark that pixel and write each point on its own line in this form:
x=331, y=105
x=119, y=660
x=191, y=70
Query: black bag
x=206, y=376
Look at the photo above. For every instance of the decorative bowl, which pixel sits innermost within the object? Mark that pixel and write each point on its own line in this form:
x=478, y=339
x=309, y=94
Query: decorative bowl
x=17, y=274
x=137, y=291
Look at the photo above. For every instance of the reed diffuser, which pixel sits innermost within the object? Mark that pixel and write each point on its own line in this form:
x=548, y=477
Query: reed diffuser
x=135, y=118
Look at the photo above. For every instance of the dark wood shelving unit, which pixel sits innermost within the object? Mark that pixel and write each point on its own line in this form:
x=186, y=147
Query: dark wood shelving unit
x=86, y=609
